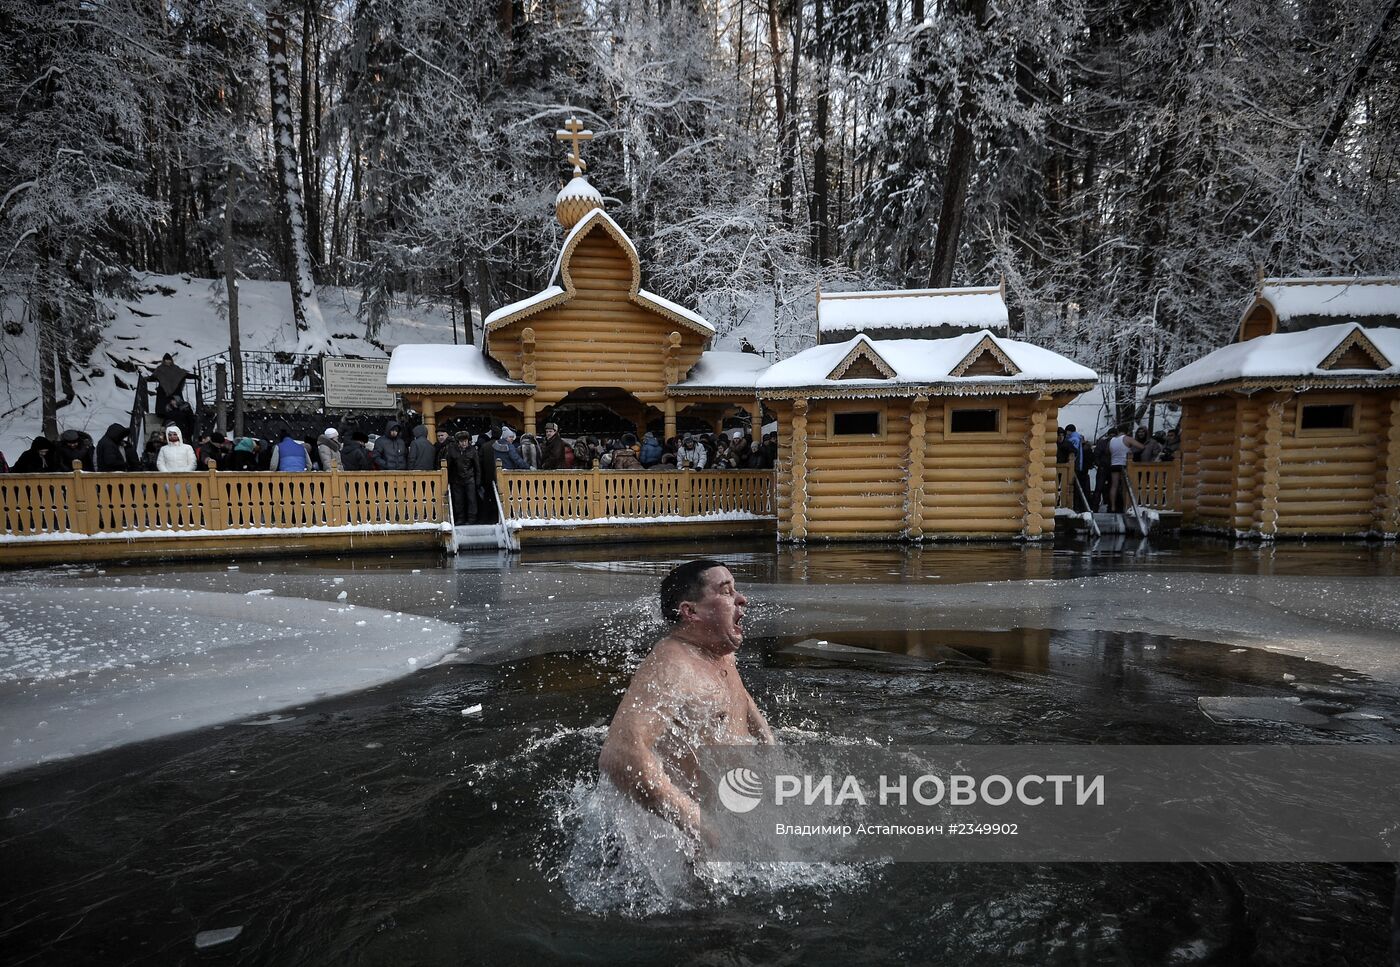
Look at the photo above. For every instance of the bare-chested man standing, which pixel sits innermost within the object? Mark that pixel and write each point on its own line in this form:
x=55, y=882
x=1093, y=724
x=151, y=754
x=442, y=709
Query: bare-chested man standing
x=685, y=694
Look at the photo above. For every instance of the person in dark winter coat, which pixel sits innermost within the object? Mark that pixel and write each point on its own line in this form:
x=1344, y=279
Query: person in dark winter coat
x=462, y=476
x=420, y=454
x=552, y=451
x=37, y=459
x=504, y=451
x=354, y=456
x=486, y=480
x=72, y=445
x=115, y=453
x=170, y=384
x=651, y=450
x=390, y=451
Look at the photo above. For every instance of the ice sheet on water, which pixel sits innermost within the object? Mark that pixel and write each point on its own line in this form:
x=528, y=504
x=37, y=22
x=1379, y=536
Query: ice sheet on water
x=89, y=669
x=212, y=938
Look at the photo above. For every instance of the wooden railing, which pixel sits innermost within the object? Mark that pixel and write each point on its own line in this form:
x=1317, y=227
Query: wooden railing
x=133, y=503
x=1157, y=485
x=596, y=494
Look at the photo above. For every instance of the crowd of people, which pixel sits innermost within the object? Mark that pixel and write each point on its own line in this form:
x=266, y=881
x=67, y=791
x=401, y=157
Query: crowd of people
x=1107, y=458
x=471, y=460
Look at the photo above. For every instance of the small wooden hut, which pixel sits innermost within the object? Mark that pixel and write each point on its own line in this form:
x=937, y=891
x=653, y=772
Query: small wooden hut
x=592, y=338
x=912, y=439
x=1294, y=429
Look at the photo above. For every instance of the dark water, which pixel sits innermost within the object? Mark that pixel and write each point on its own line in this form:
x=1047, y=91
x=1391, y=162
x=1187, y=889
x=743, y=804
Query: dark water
x=389, y=828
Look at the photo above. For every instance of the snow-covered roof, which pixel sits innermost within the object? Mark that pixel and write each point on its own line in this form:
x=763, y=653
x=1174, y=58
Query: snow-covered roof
x=723, y=370
x=455, y=367
x=1343, y=299
x=965, y=308
x=555, y=294
x=542, y=296
x=923, y=362
x=1286, y=357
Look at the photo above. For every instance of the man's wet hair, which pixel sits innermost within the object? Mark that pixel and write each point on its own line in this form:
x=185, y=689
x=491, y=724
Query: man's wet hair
x=685, y=583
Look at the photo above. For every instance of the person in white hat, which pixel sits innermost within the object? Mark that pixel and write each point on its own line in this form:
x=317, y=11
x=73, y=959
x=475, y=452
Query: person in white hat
x=328, y=446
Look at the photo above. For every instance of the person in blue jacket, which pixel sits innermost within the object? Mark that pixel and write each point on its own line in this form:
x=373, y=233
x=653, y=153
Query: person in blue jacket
x=289, y=454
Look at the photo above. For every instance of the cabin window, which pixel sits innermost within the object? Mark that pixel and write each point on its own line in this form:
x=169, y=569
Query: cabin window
x=858, y=423
x=975, y=420
x=1327, y=416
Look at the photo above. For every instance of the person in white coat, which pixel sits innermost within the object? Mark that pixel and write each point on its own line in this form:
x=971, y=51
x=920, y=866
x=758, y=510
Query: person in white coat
x=176, y=456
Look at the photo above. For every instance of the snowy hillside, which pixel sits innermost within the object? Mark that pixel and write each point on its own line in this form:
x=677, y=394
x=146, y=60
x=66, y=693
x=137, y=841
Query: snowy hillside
x=186, y=317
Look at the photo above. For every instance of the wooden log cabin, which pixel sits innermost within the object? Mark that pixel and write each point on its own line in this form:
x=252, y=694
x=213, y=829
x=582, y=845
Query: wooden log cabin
x=592, y=338
x=1293, y=430
x=918, y=439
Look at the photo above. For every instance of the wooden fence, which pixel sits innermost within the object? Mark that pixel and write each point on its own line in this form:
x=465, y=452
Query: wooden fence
x=1157, y=485
x=135, y=503
x=596, y=494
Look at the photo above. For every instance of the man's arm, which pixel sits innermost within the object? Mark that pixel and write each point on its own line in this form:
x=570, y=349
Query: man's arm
x=629, y=755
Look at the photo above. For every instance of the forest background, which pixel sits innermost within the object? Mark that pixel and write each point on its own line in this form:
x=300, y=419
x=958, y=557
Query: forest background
x=1128, y=167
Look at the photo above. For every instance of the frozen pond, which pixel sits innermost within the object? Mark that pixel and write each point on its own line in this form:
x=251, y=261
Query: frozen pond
x=386, y=826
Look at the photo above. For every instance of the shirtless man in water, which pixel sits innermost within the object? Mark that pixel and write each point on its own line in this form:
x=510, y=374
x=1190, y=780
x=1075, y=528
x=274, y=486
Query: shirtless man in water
x=685, y=694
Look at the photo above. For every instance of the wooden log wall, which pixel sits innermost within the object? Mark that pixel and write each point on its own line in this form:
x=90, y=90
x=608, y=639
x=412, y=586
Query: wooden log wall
x=977, y=487
x=1248, y=468
x=913, y=480
x=1208, y=483
x=857, y=486
x=599, y=337
x=1327, y=482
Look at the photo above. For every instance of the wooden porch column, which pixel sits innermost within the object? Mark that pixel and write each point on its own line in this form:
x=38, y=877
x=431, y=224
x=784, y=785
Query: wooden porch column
x=1389, y=507
x=430, y=417
x=527, y=373
x=670, y=412
x=1273, y=450
x=799, y=470
x=918, y=441
x=529, y=415
x=1034, y=526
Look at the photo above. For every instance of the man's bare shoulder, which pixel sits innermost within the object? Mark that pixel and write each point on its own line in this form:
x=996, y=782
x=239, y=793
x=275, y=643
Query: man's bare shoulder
x=669, y=664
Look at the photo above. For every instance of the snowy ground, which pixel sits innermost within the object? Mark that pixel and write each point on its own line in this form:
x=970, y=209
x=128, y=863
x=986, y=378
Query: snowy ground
x=186, y=317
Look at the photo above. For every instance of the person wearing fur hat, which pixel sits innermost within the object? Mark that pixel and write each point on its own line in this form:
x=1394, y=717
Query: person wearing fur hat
x=176, y=456
x=624, y=456
x=328, y=445
x=552, y=452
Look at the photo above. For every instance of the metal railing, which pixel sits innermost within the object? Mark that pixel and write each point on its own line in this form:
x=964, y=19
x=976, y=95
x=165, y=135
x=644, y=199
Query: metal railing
x=265, y=374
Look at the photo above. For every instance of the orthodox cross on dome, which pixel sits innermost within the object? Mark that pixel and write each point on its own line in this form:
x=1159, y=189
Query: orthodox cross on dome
x=576, y=134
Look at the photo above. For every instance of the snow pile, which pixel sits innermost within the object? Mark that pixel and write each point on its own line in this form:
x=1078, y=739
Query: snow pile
x=1282, y=355
x=92, y=668
x=187, y=317
x=438, y=365
x=921, y=362
x=1345, y=298
x=967, y=308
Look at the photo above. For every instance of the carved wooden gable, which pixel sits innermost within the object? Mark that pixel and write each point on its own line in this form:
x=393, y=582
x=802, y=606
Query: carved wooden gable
x=986, y=359
x=862, y=362
x=1356, y=352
